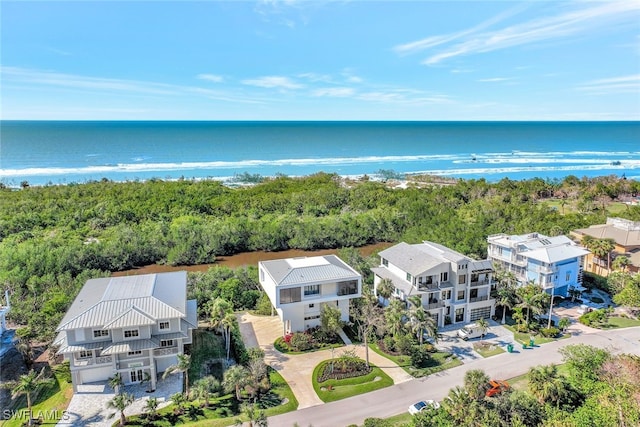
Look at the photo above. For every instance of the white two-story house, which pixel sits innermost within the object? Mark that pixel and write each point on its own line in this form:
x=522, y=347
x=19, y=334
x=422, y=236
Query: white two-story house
x=555, y=263
x=299, y=287
x=448, y=283
x=132, y=325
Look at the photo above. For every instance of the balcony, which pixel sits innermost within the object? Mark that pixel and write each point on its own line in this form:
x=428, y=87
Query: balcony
x=428, y=287
x=477, y=283
x=433, y=305
x=165, y=351
x=102, y=360
x=477, y=299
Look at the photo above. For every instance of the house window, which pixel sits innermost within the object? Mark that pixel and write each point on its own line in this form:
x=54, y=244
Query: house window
x=166, y=343
x=136, y=375
x=459, y=314
x=164, y=325
x=408, y=277
x=312, y=317
x=131, y=333
x=134, y=353
x=568, y=276
x=460, y=295
x=99, y=334
x=444, y=276
x=311, y=290
x=349, y=287
x=289, y=295
x=473, y=293
x=446, y=294
x=462, y=279
x=385, y=262
x=85, y=354
x=311, y=305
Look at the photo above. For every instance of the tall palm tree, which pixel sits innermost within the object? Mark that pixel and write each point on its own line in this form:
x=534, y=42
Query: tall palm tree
x=28, y=384
x=506, y=294
x=183, y=365
x=227, y=323
x=394, y=316
x=483, y=325
x=476, y=383
x=422, y=322
x=458, y=404
x=218, y=309
x=235, y=378
x=120, y=403
x=608, y=245
x=531, y=298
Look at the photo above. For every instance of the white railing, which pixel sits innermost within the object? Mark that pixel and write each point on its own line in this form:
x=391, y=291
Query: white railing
x=165, y=351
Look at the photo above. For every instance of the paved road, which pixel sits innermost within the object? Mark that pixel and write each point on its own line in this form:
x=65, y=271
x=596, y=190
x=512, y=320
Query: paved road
x=396, y=399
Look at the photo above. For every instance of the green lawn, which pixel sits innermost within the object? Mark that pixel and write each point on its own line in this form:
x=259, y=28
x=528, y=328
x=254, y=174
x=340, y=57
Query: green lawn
x=440, y=361
x=620, y=322
x=521, y=382
x=283, y=347
x=523, y=337
x=206, y=346
x=488, y=349
x=50, y=401
x=332, y=390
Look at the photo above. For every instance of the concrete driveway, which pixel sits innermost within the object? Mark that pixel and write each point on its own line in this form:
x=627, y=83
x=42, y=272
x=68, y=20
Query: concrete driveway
x=297, y=369
x=449, y=340
x=88, y=406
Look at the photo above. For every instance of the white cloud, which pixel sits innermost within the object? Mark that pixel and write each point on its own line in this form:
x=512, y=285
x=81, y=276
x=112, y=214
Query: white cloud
x=211, y=77
x=497, y=79
x=279, y=82
x=620, y=84
x=467, y=42
x=335, y=92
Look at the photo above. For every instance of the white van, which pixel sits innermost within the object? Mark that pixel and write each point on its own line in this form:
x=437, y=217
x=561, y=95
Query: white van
x=470, y=331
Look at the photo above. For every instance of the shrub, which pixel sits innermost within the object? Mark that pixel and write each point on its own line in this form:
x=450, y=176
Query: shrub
x=388, y=344
x=376, y=422
x=594, y=318
x=403, y=344
x=263, y=306
x=550, y=332
x=419, y=356
x=301, y=341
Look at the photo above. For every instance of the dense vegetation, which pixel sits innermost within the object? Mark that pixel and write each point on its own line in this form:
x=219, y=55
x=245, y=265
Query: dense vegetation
x=53, y=238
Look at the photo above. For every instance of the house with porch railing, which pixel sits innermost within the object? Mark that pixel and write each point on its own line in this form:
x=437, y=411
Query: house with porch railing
x=133, y=325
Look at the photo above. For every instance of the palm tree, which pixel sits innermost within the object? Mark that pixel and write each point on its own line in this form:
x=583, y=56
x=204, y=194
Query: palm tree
x=219, y=308
x=384, y=289
x=228, y=322
x=507, y=296
x=620, y=263
x=422, y=322
x=547, y=385
x=151, y=407
x=256, y=417
x=458, y=405
x=532, y=298
x=608, y=245
x=394, y=316
x=476, y=383
x=235, y=378
x=205, y=387
x=26, y=350
x=120, y=403
x=183, y=365
x=116, y=383
x=179, y=399
x=28, y=384
x=483, y=325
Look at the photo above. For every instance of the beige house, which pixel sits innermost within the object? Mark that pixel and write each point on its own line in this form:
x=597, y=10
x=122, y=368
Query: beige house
x=626, y=235
x=298, y=288
x=448, y=283
x=133, y=325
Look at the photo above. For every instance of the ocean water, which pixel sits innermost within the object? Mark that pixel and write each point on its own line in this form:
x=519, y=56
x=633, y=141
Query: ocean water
x=62, y=152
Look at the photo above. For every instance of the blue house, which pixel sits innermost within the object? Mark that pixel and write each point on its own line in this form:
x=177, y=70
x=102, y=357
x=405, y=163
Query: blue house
x=555, y=263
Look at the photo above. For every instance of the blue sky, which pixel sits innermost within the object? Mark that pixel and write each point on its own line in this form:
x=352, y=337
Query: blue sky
x=320, y=60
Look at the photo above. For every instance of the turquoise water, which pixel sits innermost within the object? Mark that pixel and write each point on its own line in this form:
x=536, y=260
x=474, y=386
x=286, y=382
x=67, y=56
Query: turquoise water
x=64, y=152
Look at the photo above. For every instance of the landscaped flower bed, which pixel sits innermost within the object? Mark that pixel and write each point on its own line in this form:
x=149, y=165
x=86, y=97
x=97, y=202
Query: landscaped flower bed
x=338, y=370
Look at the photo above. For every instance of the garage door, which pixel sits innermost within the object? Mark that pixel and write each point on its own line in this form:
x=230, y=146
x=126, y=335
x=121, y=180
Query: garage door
x=98, y=374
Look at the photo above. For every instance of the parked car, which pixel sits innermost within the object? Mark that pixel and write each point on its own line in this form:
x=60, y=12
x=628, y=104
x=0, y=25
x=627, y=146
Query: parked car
x=472, y=330
x=423, y=405
x=497, y=387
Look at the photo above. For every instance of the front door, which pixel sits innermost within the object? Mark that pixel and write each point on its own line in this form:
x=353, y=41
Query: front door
x=136, y=375
x=459, y=314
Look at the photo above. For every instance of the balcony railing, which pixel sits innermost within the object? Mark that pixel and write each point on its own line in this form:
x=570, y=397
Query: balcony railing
x=433, y=305
x=476, y=299
x=165, y=351
x=92, y=361
x=427, y=287
x=480, y=283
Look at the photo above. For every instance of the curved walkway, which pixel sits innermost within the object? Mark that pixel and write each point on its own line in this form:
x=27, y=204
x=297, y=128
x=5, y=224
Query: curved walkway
x=297, y=369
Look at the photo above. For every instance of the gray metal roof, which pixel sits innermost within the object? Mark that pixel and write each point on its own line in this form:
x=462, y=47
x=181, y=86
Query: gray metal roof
x=438, y=250
x=65, y=348
x=556, y=253
x=622, y=236
x=132, y=316
x=127, y=346
x=157, y=296
x=295, y=271
x=410, y=258
x=171, y=336
x=481, y=266
x=397, y=282
x=192, y=313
